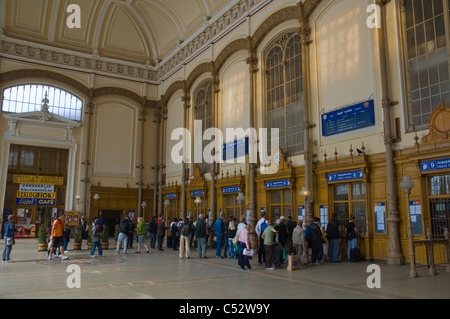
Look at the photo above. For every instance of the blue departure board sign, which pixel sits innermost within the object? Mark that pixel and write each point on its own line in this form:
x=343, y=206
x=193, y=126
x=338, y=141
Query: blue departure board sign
x=235, y=149
x=348, y=119
x=435, y=165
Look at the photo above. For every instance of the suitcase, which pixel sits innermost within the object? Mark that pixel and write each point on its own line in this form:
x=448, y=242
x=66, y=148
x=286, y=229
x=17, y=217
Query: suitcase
x=355, y=255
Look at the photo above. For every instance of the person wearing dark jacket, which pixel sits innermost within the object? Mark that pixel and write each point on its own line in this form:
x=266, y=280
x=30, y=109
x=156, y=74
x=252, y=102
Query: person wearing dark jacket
x=316, y=241
x=152, y=229
x=333, y=237
x=200, y=234
x=283, y=236
x=161, y=232
x=123, y=235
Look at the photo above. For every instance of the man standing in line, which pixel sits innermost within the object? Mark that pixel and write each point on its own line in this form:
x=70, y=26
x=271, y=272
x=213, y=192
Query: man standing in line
x=151, y=229
x=161, y=232
x=219, y=231
x=333, y=237
x=260, y=227
x=200, y=233
x=57, y=236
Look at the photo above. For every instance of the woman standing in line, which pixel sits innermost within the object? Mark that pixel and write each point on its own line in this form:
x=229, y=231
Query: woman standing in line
x=244, y=243
x=9, y=239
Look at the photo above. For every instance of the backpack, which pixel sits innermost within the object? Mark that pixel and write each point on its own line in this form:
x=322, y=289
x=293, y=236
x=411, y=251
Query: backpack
x=308, y=233
x=264, y=226
x=124, y=227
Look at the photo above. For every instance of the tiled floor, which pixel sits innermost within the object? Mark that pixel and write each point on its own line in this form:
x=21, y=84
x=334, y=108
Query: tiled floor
x=163, y=275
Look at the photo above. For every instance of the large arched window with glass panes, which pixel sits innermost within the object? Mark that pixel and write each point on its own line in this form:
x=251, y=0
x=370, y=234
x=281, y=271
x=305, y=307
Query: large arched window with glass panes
x=283, y=92
x=29, y=98
x=427, y=50
x=203, y=113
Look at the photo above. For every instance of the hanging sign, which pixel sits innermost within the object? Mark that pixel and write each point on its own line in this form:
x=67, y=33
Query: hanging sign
x=231, y=189
x=435, y=165
x=197, y=193
x=348, y=118
x=276, y=184
x=344, y=176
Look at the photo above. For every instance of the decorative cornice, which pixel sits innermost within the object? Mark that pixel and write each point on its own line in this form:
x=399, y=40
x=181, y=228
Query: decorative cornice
x=77, y=61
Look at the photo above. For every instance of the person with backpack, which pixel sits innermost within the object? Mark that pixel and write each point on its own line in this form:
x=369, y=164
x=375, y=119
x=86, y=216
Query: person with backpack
x=333, y=237
x=184, y=240
x=151, y=230
x=260, y=227
x=125, y=230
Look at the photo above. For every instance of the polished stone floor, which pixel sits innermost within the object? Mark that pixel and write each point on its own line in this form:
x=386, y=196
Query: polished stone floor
x=163, y=275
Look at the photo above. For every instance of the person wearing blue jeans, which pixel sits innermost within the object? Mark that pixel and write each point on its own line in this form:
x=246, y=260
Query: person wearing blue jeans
x=9, y=233
x=219, y=230
x=333, y=237
x=351, y=231
x=96, y=239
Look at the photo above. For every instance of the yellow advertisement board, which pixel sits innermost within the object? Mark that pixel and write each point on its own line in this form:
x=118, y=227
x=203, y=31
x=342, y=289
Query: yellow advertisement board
x=30, y=179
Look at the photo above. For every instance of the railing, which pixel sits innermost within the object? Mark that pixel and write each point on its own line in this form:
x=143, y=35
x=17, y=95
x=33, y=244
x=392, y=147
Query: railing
x=429, y=243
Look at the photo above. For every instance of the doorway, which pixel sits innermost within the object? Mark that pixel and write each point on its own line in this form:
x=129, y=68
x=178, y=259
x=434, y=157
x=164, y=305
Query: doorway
x=111, y=218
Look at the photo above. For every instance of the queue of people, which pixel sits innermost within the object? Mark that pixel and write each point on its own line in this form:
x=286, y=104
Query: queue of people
x=230, y=239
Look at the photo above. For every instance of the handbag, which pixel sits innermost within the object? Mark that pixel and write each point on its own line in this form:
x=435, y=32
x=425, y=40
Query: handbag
x=247, y=252
x=293, y=263
x=235, y=240
x=10, y=241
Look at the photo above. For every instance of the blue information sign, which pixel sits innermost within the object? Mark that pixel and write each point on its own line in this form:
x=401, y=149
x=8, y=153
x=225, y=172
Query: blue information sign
x=348, y=119
x=435, y=165
x=232, y=189
x=172, y=195
x=235, y=149
x=197, y=193
x=345, y=176
x=276, y=184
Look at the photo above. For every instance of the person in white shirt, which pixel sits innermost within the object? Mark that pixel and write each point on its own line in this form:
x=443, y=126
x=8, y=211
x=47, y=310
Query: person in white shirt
x=262, y=223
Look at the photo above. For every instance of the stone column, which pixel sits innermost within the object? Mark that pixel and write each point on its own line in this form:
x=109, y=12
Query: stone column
x=395, y=256
x=252, y=62
x=142, y=114
x=184, y=177
x=89, y=112
x=215, y=93
x=305, y=32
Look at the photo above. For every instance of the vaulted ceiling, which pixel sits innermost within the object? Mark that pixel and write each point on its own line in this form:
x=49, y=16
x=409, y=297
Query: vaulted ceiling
x=140, y=31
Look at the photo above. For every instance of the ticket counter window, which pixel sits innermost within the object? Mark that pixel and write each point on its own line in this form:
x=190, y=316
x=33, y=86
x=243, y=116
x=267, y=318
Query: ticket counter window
x=202, y=208
x=172, y=210
x=280, y=203
x=439, y=201
x=348, y=200
x=232, y=208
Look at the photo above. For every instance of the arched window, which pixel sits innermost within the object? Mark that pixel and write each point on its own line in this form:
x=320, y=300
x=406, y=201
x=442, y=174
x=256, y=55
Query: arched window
x=427, y=42
x=283, y=100
x=28, y=98
x=203, y=112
